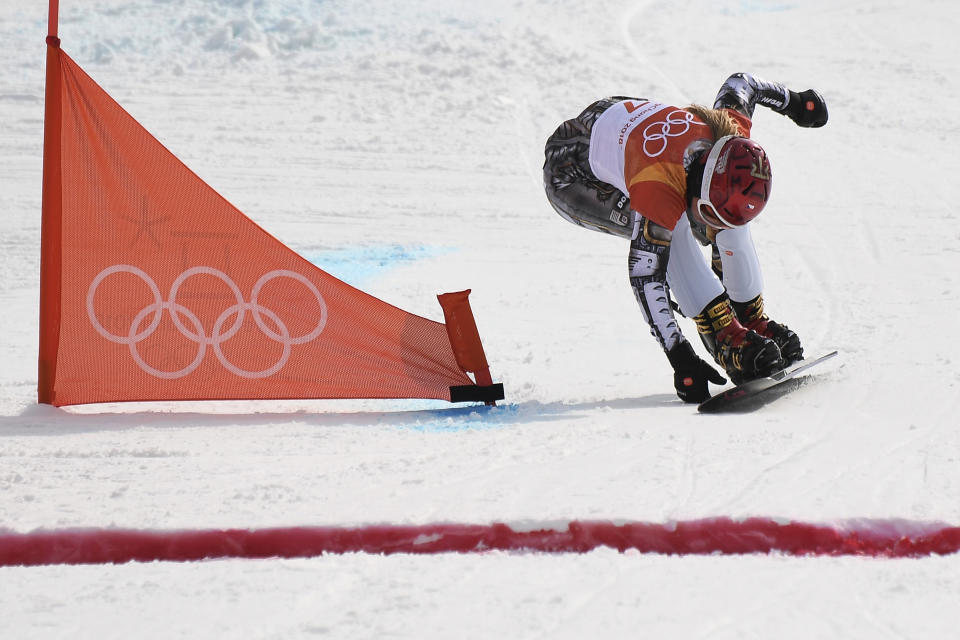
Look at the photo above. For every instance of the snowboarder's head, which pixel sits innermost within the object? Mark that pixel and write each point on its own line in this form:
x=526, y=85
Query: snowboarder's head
x=735, y=185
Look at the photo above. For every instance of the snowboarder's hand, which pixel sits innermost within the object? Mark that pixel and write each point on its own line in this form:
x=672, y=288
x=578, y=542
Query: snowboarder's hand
x=789, y=342
x=807, y=108
x=691, y=374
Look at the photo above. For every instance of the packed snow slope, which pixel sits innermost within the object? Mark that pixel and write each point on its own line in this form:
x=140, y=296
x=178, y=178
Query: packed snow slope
x=399, y=146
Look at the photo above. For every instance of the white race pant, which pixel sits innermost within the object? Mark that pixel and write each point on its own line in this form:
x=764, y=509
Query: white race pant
x=741, y=267
x=692, y=281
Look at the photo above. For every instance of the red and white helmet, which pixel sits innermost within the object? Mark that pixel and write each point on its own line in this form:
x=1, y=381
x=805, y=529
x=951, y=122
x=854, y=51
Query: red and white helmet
x=736, y=182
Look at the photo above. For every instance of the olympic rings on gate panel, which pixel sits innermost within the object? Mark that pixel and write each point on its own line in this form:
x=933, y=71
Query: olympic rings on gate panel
x=193, y=330
x=670, y=128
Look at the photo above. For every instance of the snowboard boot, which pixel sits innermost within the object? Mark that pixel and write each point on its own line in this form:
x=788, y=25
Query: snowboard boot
x=752, y=316
x=743, y=354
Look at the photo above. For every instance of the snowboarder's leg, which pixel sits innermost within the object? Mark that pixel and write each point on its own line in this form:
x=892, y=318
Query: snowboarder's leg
x=572, y=188
x=740, y=266
x=693, y=283
x=744, y=283
x=742, y=353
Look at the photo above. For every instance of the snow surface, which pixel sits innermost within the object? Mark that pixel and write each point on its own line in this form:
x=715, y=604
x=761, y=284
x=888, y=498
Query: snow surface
x=409, y=136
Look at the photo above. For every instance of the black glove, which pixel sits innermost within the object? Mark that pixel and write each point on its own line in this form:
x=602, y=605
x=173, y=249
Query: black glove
x=691, y=374
x=807, y=108
x=789, y=342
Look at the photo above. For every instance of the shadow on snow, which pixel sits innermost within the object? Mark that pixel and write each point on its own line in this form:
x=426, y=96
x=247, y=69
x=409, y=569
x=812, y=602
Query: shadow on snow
x=45, y=420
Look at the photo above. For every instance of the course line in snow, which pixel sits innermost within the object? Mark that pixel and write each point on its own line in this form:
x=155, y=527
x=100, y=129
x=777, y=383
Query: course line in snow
x=724, y=536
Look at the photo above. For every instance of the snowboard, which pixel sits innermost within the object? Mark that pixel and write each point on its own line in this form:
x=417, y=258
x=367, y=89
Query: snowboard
x=751, y=394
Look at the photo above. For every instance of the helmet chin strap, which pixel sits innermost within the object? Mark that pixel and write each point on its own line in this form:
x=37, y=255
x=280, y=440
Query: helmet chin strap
x=699, y=230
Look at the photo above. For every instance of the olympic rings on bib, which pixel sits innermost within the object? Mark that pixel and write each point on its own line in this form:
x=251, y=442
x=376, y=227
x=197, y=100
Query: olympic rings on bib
x=676, y=124
x=193, y=329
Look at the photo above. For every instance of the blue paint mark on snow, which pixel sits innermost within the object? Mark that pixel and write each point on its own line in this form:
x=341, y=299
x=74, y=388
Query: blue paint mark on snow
x=757, y=6
x=358, y=265
x=449, y=419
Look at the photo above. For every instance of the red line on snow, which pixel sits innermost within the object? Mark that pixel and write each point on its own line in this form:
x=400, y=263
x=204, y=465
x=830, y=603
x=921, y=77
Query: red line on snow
x=879, y=538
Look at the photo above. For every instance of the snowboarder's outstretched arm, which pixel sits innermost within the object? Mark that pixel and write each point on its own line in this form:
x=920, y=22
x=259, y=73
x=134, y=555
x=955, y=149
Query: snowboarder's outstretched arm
x=647, y=264
x=743, y=92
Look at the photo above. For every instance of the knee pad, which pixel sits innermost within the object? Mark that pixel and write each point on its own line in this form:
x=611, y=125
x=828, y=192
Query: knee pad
x=742, y=277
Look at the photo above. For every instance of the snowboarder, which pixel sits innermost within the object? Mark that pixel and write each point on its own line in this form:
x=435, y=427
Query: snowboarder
x=666, y=178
